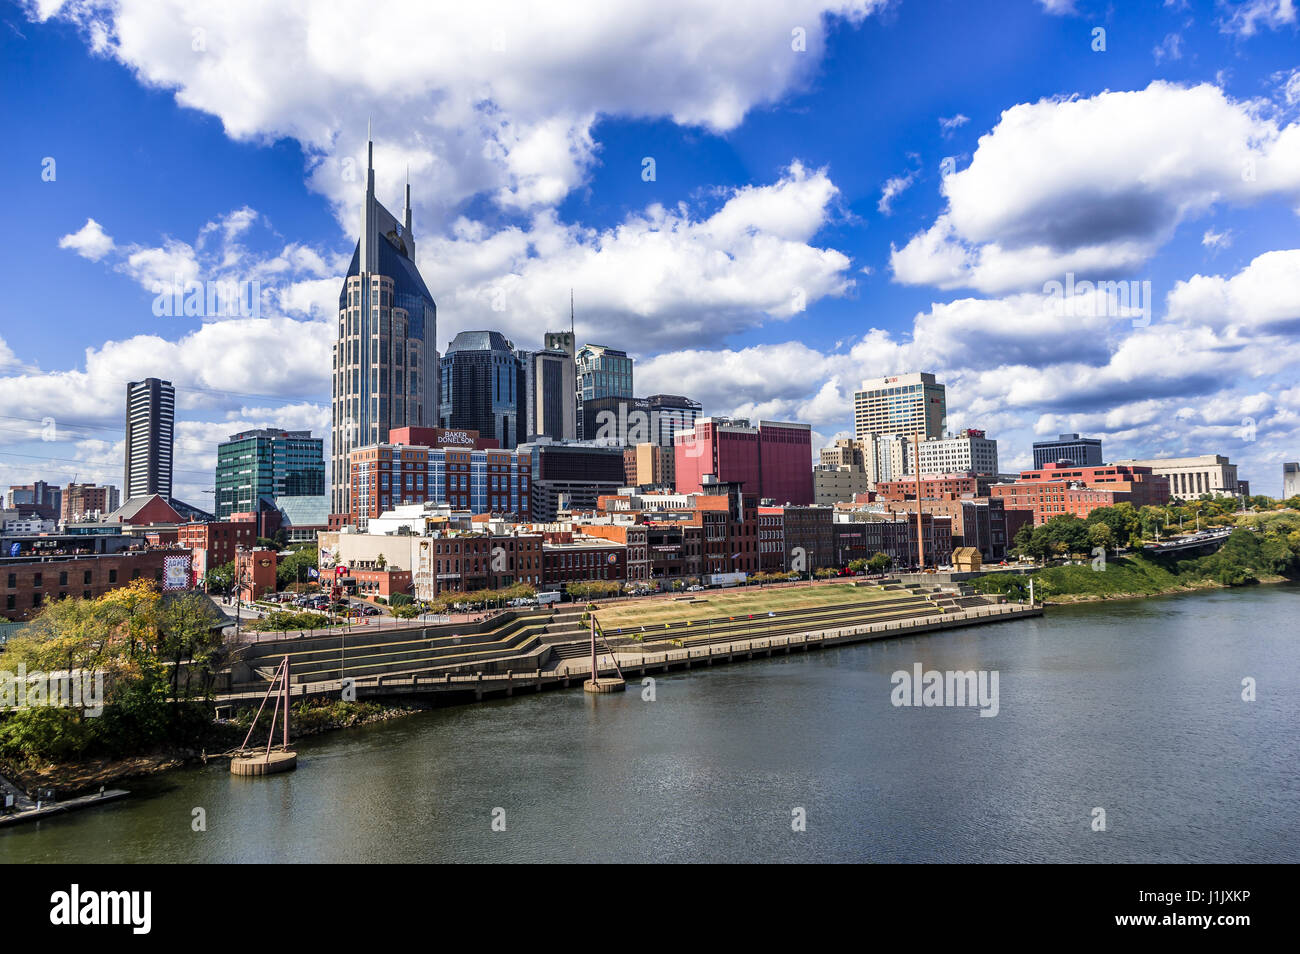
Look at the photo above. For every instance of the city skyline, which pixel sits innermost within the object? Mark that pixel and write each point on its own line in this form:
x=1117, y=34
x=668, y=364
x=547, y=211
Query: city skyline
x=855, y=256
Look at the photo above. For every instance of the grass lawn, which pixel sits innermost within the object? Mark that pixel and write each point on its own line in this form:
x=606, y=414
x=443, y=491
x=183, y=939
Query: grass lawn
x=734, y=602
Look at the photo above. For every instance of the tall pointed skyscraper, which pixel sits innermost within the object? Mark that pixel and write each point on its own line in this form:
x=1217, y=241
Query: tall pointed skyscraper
x=385, y=357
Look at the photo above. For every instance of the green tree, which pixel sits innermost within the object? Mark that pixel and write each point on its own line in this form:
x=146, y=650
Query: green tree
x=220, y=579
x=1101, y=535
x=294, y=568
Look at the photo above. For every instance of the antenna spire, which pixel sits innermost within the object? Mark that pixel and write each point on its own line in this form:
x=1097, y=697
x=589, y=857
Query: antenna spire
x=406, y=215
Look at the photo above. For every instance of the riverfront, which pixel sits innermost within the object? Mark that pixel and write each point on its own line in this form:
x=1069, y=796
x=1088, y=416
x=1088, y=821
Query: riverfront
x=1134, y=706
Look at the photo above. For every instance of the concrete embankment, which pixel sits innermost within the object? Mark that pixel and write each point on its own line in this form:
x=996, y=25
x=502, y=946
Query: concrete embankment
x=452, y=688
x=27, y=810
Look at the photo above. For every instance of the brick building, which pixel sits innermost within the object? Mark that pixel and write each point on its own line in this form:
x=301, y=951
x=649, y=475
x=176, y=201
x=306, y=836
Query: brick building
x=87, y=501
x=634, y=537
x=464, y=562
x=771, y=461
x=255, y=572
x=985, y=523
x=806, y=538
x=1055, y=490
x=935, y=486
x=569, y=557
x=488, y=480
x=894, y=535
x=28, y=582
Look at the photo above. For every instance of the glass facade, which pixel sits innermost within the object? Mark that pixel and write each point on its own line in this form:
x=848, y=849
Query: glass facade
x=601, y=372
x=267, y=463
x=483, y=388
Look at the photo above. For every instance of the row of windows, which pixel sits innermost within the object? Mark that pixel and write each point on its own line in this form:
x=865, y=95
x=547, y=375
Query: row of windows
x=87, y=577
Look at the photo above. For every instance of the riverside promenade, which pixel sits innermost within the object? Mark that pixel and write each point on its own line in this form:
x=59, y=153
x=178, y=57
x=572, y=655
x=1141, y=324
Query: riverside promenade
x=27, y=809
x=453, y=688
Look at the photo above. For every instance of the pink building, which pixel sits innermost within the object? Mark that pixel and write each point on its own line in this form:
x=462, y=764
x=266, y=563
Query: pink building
x=772, y=460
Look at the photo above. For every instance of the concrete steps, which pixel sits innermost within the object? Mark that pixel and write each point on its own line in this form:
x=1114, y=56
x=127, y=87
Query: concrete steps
x=513, y=645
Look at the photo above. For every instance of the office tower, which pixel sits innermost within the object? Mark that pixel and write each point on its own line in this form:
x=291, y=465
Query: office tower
x=150, y=427
x=653, y=466
x=553, y=410
x=844, y=452
x=37, y=498
x=571, y=476
x=602, y=372
x=482, y=384
x=1069, y=449
x=670, y=413
x=900, y=404
x=479, y=480
x=528, y=392
x=385, y=361
x=267, y=463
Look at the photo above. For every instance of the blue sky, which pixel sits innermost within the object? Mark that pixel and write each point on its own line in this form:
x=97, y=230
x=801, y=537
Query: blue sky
x=762, y=271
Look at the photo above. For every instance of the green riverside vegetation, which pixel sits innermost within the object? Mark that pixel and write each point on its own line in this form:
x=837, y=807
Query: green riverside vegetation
x=1262, y=547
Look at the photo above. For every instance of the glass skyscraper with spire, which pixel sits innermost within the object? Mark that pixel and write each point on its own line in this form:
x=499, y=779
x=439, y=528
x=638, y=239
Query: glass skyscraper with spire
x=385, y=360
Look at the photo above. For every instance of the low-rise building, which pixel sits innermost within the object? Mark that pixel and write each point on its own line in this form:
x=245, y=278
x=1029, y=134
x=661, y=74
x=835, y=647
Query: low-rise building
x=936, y=485
x=1190, y=477
x=986, y=524
x=214, y=544
x=807, y=538
x=861, y=534
x=29, y=581
x=1057, y=489
x=838, y=483
x=255, y=572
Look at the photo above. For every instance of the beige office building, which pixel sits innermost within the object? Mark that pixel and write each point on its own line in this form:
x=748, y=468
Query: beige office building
x=654, y=465
x=838, y=484
x=900, y=404
x=845, y=452
x=1189, y=477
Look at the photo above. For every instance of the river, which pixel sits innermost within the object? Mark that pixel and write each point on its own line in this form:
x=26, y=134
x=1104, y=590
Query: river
x=1134, y=707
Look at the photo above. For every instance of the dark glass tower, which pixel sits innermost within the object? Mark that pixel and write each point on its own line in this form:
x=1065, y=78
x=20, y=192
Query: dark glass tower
x=484, y=387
